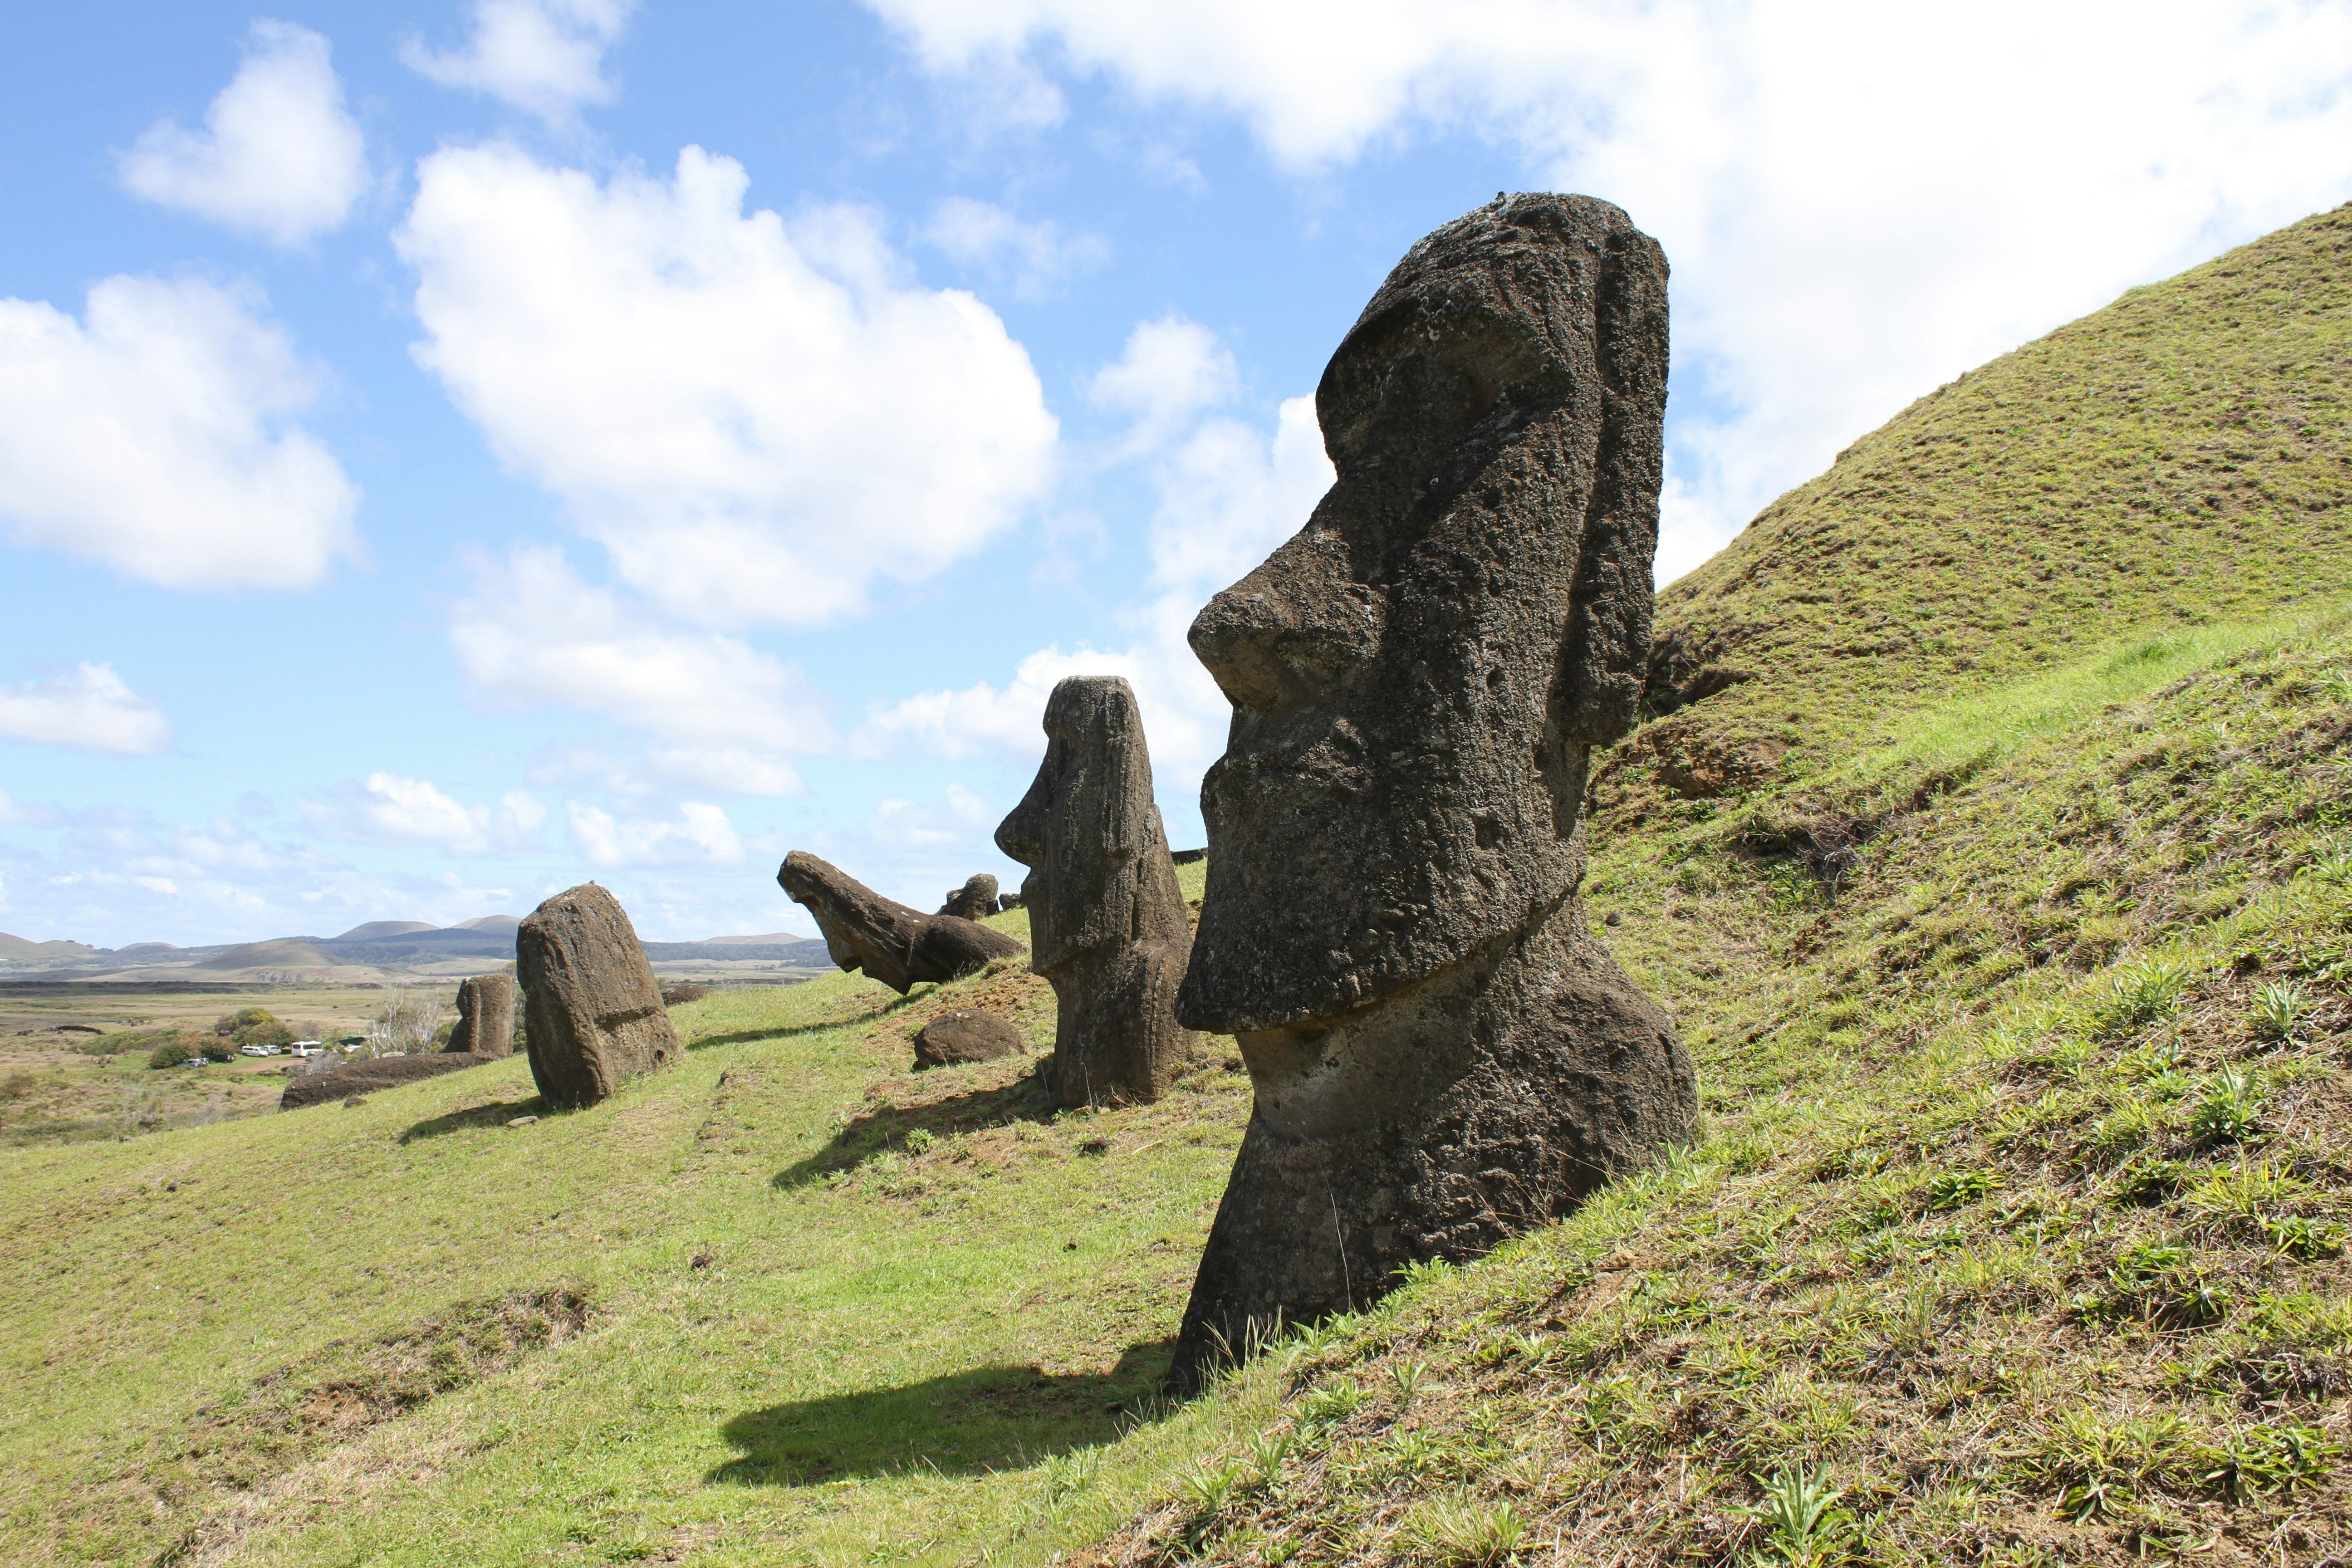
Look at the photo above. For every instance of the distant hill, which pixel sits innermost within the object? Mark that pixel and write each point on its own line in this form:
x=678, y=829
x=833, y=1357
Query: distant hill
x=292, y=953
x=506, y=924
x=23, y=949
x=377, y=931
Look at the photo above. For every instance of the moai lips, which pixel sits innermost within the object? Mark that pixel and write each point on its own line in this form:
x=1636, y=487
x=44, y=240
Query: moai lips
x=1443, y=1056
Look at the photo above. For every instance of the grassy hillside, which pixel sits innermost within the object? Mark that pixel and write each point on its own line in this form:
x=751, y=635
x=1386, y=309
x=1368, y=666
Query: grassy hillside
x=2181, y=458
x=1992, y=844
x=1993, y=847
x=788, y=1296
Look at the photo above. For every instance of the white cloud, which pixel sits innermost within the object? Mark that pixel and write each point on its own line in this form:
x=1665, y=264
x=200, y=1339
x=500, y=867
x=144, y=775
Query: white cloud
x=1170, y=370
x=1228, y=493
x=700, y=833
x=533, y=633
x=1037, y=258
x=391, y=809
x=1860, y=201
x=757, y=419
x=545, y=57
x=278, y=157
x=157, y=435
x=88, y=706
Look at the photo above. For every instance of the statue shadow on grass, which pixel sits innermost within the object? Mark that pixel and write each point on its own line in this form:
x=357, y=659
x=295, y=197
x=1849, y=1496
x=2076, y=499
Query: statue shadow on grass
x=880, y=1129
x=497, y=1113
x=965, y=1423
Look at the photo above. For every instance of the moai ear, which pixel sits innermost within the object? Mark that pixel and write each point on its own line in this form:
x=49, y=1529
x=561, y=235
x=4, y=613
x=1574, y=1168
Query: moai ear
x=1607, y=652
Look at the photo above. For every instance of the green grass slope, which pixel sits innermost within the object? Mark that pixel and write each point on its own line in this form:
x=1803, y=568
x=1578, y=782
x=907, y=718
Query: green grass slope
x=786, y=1301
x=1992, y=844
x=2183, y=456
x=1993, y=847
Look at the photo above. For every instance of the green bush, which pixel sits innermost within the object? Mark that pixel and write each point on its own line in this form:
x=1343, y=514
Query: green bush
x=171, y=1054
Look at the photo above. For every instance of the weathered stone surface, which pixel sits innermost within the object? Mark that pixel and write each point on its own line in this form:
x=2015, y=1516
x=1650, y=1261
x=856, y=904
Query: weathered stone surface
x=974, y=900
x=486, y=1006
x=1443, y=1056
x=895, y=944
x=1106, y=923
x=966, y=1034
x=1005, y=901
x=592, y=1015
x=324, y=1086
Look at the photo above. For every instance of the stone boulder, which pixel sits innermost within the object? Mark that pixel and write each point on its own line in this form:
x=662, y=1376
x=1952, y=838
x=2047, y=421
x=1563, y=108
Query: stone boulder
x=486, y=1006
x=976, y=900
x=592, y=1015
x=895, y=944
x=1107, y=922
x=323, y=1086
x=1442, y=1054
x=966, y=1034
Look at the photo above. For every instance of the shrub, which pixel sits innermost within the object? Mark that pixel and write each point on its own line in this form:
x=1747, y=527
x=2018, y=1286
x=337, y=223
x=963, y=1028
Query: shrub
x=171, y=1054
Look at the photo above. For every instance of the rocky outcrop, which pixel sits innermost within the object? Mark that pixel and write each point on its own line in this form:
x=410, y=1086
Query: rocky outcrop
x=344, y=1079
x=486, y=1006
x=966, y=1034
x=893, y=943
x=1443, y=1056
x=1107, y=922
x=593, y=1014
x=976, y=900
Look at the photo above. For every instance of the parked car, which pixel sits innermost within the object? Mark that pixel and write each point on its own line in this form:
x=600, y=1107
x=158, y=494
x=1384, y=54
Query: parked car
x=308, y=1049
x=260, y=1051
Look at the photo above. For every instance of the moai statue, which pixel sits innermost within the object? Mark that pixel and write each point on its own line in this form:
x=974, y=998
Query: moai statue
x=976, y=900
x=894, y=943
x=1106, y=922
x=593, y=1014
x=486, y=1015
x=1444, y=1055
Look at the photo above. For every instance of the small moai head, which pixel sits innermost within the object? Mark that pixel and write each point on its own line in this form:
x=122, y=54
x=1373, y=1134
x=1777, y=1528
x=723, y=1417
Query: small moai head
x=1087, y=826
x=1417, y=675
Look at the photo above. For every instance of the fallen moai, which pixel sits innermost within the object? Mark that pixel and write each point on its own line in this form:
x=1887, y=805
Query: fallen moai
x=1106, y=922
x=1444, y=1055
x=976, y=900
x=593, y=1014
x=896, y=945
x=486, y=1015
x=966, y=1034
x=323, y=1085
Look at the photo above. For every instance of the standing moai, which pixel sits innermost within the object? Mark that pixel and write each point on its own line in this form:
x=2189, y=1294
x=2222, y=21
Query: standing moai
x=1444, y=1055
x=593, y=1014
x=976, y=900
x=1106, y=922
x=486, y=1015
x=891, y=941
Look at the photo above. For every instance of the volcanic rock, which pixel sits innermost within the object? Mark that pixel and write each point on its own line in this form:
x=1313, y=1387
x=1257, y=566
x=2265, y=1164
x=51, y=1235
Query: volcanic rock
x=592, y=1015
x=1444, y=1055
x=975, y=900
x=966, y=1034
x=486, y=1015
x=896, y=945
x=1106, y=922
x=344, y=1080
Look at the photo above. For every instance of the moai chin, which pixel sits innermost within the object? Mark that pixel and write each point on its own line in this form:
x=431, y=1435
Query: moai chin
x=1444, y=1055
x=1106, y=922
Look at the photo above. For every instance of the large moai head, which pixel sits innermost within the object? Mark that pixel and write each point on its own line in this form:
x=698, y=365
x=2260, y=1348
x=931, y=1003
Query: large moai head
x=1099, y=872
x=1417, y=675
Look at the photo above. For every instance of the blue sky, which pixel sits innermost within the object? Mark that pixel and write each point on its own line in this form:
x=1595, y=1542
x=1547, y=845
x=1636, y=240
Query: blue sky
x=450, y=452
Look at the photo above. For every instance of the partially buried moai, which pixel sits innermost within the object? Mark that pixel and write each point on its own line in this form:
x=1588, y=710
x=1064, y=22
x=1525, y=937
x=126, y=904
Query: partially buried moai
x=486, y=1015
x=593, y=1014
x=1107, y=921
x=1444, y=1055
